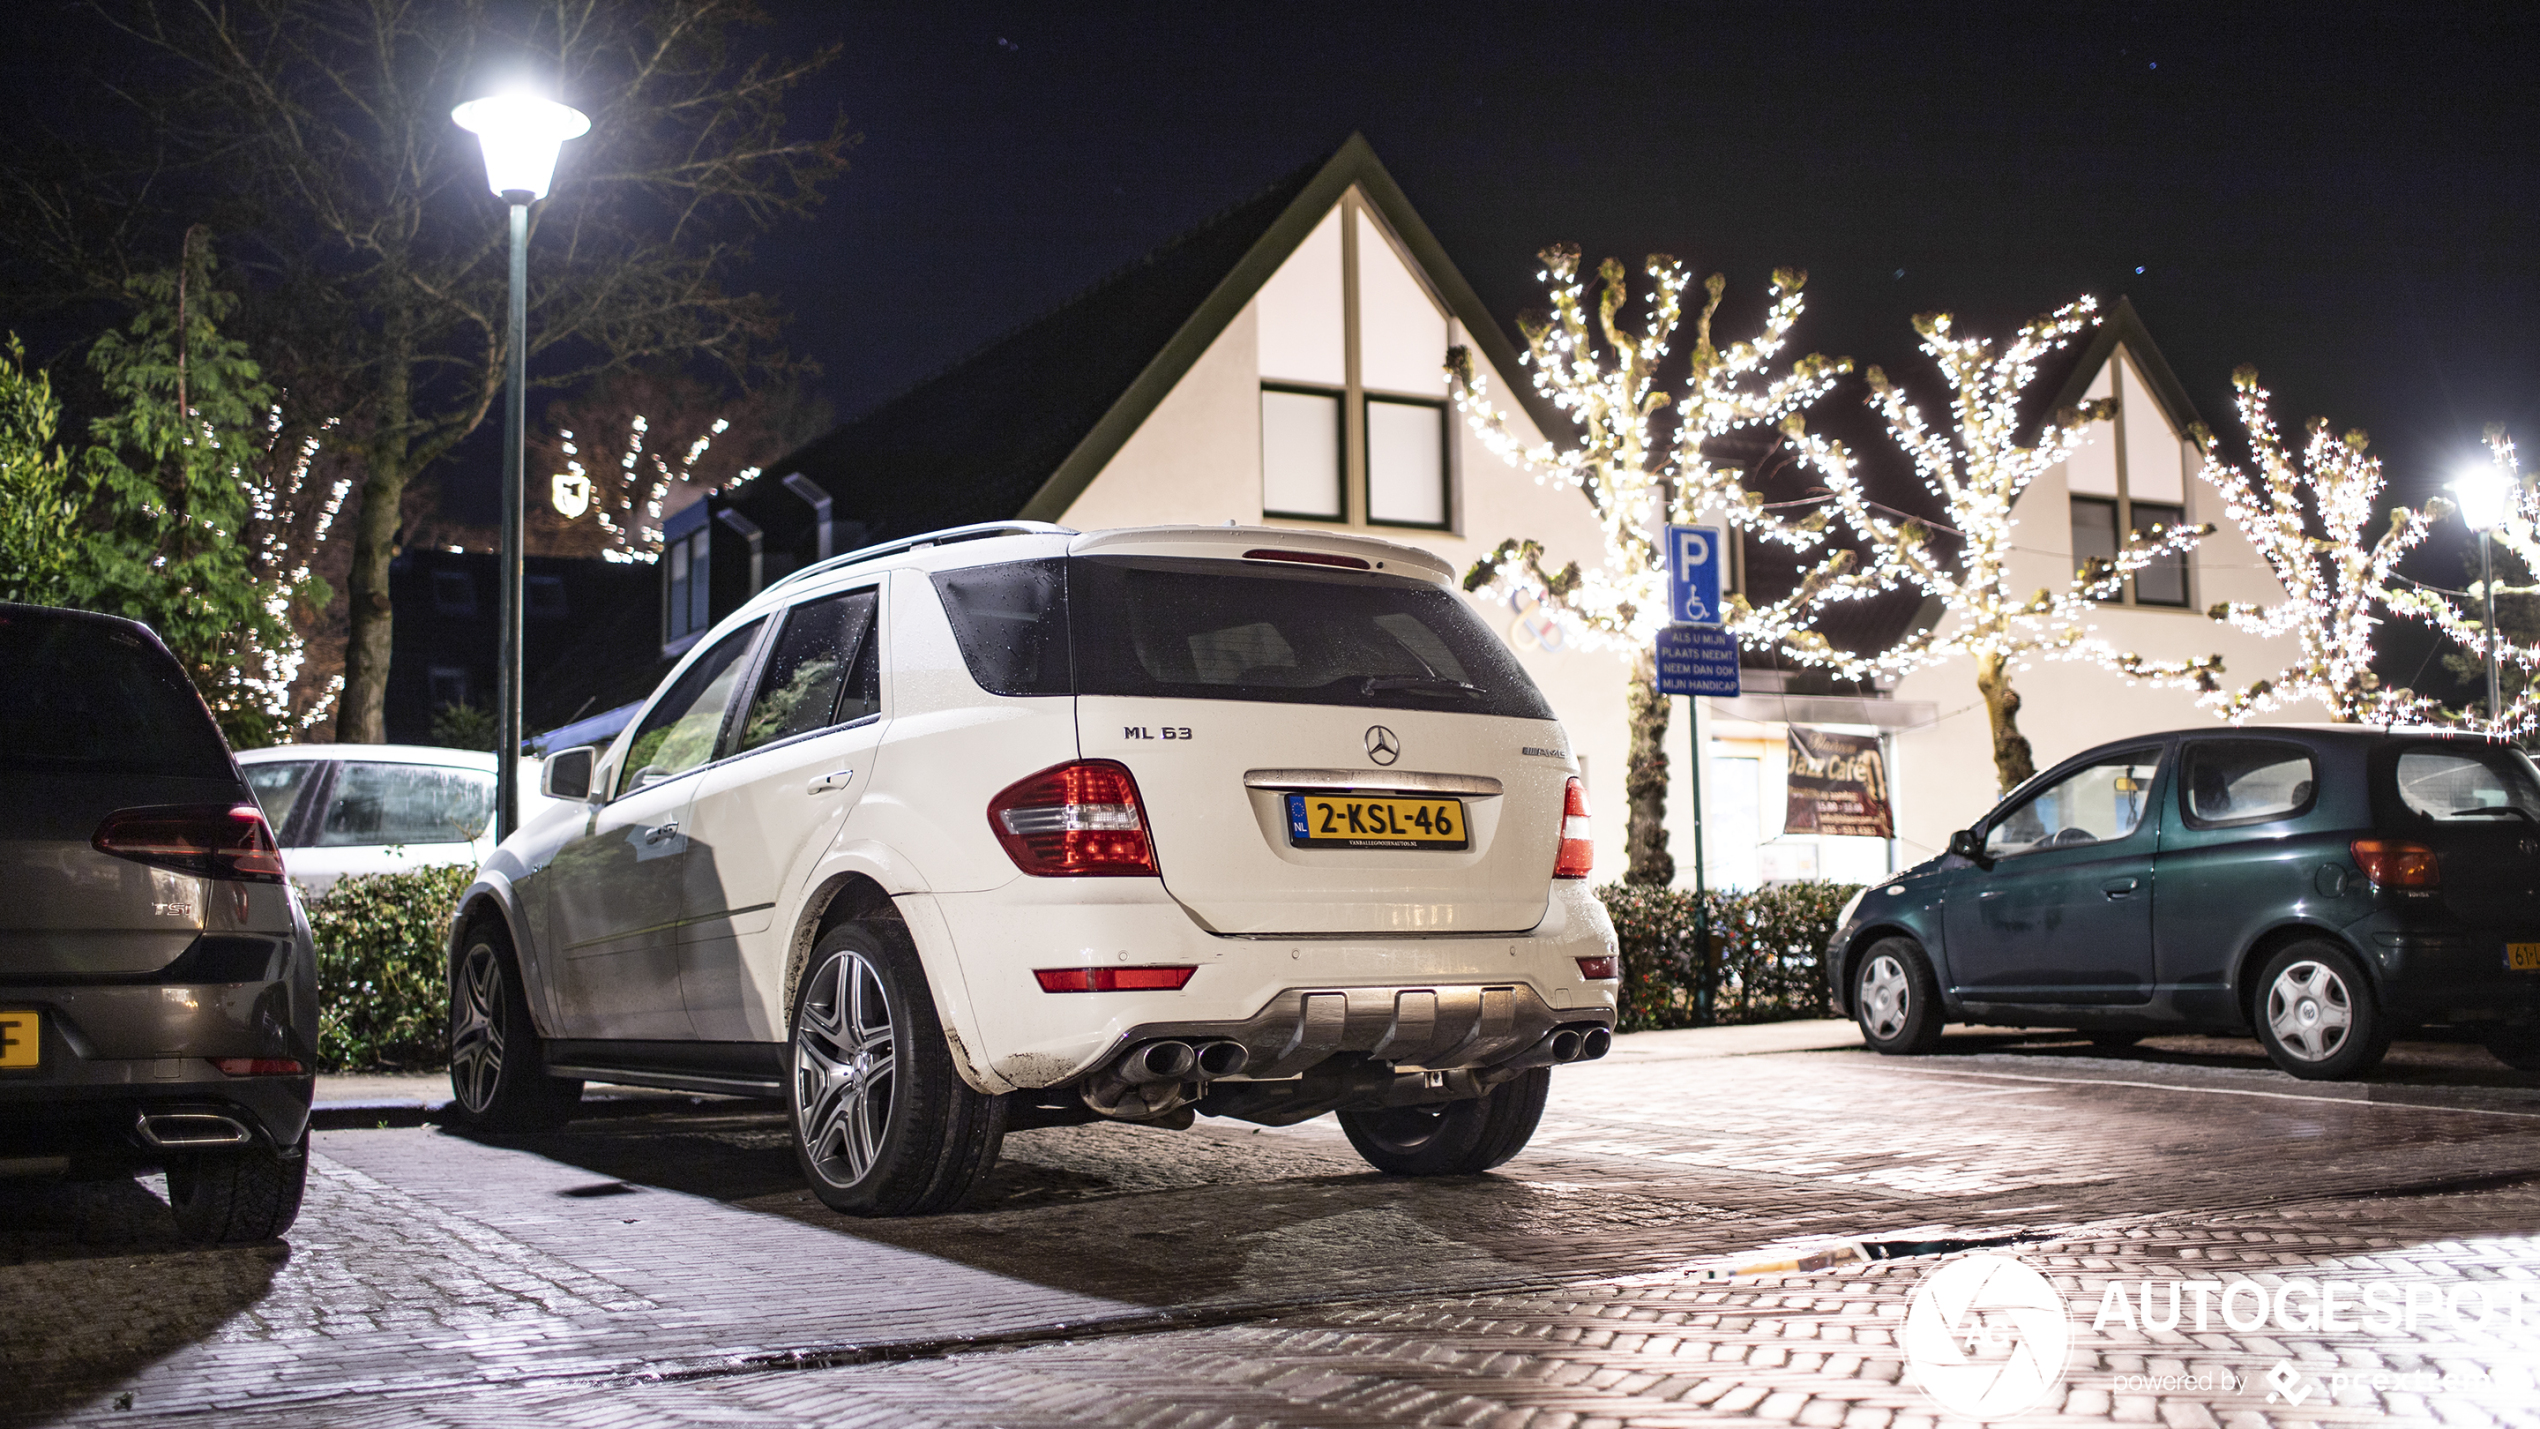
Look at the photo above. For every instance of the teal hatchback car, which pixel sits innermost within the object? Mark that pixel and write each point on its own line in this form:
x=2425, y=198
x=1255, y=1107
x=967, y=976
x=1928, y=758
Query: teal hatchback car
x=2324, y=887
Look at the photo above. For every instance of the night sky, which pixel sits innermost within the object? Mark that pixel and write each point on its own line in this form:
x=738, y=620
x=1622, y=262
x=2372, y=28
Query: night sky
x=2345, y=199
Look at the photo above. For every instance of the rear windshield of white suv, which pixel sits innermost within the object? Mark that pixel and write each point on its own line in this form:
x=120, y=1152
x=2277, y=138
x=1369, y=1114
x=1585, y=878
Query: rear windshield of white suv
x=1218, y=630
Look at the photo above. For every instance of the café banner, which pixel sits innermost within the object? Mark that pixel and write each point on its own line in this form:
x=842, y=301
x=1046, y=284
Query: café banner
x=1838, y=785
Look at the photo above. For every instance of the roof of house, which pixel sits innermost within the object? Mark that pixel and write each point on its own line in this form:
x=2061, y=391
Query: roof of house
x=1022, y=427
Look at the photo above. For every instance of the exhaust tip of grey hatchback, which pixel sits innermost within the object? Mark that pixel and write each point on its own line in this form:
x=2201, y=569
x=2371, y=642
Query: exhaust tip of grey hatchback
x=193, y=1131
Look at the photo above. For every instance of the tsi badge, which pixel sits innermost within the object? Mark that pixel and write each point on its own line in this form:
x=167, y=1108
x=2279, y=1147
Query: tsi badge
x=1986, y=1337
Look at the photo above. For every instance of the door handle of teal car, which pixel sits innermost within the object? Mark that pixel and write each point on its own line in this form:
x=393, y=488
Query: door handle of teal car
x=2120, y=887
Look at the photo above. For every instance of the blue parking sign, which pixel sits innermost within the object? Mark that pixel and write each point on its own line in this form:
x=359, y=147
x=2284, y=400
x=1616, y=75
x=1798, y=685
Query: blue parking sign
x=1697, y=660
x=1694, y=557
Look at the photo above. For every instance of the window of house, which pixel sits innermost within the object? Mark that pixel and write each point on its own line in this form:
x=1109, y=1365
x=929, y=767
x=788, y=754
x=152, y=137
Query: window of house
x=448, y=685
x=453, y=593
x=544, y=597
x=1352, y=351
x=1301, y=464
x=684, y=569
x=2129, y=481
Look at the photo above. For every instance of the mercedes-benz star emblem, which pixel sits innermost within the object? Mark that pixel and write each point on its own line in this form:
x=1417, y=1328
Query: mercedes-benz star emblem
x=1382, y=746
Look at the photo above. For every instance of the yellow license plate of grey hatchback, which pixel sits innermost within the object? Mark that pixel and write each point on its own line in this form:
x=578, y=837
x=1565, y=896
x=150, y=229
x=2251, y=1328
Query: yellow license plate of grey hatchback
x=2523, y=957
x=1355, y=821
x=20, y=1039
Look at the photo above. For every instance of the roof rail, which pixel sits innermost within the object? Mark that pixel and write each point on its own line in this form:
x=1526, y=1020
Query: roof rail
x=946, y=537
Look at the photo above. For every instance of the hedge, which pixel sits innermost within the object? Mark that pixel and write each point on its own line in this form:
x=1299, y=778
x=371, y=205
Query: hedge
x=383, y=977
x=1768, y=953
x=383, y=969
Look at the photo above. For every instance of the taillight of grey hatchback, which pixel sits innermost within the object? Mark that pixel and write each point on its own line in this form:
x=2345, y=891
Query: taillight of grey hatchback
x=158, y=993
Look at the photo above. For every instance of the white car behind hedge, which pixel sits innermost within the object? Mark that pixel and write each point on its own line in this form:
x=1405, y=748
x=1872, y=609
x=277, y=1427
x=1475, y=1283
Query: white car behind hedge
x=373, y=808
x=1017, y=826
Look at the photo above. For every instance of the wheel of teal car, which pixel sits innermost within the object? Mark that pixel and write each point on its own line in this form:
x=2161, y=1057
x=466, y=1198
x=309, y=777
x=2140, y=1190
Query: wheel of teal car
x=1896, y=999
x=2316, y=1015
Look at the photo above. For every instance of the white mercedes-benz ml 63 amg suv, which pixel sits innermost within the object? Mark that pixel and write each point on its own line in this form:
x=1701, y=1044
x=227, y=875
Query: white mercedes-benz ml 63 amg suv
x=1013, y=826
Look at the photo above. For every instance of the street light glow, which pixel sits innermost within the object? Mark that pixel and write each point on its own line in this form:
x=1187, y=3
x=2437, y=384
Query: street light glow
x=2485, y=496
x=521, y=135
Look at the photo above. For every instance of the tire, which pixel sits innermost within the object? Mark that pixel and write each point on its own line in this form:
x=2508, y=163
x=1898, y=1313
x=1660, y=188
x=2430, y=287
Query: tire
x=883, y=1123
x=1457, y=1139
x=231, y=1197
x=2516, y=1045
x=498, y=1066
x=2316, y=1015
x=1896, y=999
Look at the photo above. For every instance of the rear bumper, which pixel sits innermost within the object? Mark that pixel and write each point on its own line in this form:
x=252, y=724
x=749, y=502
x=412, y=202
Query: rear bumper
x=1398, y=998
x=108, y=1056
x=2450, y=976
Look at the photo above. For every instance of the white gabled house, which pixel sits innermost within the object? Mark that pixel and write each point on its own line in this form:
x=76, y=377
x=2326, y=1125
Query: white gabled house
x=1283, y=364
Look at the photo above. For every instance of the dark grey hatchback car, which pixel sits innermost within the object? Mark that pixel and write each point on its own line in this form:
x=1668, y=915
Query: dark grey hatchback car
x=2323, y=886
x=158, y=991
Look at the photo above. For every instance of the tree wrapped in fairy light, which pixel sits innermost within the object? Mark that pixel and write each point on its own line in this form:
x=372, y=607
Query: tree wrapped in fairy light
x=1978, y=464
x=2308, y=515
x=1636, y=478
x=2517, y=654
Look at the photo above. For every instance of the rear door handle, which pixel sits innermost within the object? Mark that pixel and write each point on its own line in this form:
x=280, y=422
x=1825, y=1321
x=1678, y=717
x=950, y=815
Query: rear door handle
x=822, y=784
x=659, y=832
x=2120, y=887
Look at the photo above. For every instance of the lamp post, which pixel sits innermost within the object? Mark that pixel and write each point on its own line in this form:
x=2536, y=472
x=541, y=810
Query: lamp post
x=521, y=135
x=2485, y=495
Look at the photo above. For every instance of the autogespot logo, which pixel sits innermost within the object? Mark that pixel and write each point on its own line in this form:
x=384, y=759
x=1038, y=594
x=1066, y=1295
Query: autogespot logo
x=1986, y=1337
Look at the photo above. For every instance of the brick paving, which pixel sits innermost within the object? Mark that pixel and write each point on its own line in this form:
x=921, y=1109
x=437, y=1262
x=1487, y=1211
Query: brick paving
x=668, y=1269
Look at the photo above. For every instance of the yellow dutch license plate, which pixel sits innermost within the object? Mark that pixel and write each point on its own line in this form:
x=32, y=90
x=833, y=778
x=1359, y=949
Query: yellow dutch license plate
x=1351, y=821
x=20, y=1039
x=2523, y=957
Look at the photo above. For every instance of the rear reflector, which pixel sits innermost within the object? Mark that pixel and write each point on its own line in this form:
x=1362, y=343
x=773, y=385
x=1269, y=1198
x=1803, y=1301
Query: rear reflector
x=259, y=1066
x=1600, y=969
x=1578, y=836
x=1137, y=979
x=1079, y=820
x=1309, y=558
x=212, y=840
x=2390, y=863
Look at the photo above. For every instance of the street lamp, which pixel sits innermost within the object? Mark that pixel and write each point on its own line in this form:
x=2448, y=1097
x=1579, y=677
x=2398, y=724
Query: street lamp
x=521, y=135
x=2485, y=496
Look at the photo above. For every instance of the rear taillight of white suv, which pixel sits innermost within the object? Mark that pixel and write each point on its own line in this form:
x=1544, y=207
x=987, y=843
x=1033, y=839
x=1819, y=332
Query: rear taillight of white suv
x=1578, y=836
x=210, y=840
x=1079, y=820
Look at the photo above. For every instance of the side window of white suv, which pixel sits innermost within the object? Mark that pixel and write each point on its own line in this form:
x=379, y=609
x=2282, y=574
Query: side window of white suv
x=819, y=673
x=680, y=732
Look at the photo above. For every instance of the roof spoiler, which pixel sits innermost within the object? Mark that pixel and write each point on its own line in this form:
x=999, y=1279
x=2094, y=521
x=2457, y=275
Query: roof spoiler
x=980, y=532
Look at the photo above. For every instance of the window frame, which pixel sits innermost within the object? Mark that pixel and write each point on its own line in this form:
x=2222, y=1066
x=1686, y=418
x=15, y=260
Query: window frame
x=757, y=630
x=1446, y=471
x=1340, y=452
x=2134, y=583
x=2187, y=805
x=698, y=547
x=2126, y=384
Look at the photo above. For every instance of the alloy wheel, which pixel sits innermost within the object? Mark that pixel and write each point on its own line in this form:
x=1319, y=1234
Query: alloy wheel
x=1886, y=997
x=843, y=1068
x=2310, y=1010
x=476, y=1030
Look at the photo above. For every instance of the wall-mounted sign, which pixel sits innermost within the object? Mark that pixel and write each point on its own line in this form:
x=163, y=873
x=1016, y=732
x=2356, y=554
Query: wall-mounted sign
x=1696, y=660
x=1838, y=785
x=571, y=495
